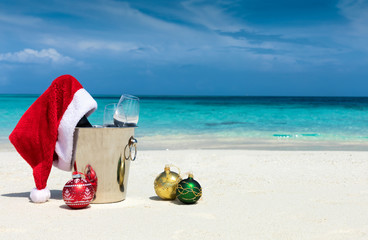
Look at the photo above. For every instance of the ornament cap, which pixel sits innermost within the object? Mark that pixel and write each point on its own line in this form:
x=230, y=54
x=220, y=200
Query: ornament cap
x=167, y=168
x=190, y=175
x=76, y=175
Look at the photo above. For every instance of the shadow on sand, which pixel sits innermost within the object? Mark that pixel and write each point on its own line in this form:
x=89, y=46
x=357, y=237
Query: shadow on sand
x=176, y=201
x=55, y=194
x=66, y=207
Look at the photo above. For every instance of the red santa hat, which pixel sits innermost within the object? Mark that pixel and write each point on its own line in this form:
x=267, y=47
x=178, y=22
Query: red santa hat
x=44, y=134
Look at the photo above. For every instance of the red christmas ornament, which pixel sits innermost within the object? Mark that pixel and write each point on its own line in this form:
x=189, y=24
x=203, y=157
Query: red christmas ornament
x=78, y=192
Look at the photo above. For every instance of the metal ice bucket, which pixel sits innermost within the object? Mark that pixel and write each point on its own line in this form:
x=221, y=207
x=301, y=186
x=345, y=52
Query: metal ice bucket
x=109, y=152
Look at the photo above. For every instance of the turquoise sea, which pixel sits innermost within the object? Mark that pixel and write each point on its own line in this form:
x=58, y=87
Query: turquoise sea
x=229, y=119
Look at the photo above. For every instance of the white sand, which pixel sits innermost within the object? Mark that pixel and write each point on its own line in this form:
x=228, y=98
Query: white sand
x=246, y=195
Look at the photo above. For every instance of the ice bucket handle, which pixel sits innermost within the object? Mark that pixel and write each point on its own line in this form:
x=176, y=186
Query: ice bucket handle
x=131, y=144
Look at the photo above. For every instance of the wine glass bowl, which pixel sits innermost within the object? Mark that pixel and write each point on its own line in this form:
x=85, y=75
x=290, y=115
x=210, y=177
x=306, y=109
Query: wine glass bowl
x=110, y=110
x=127, y=111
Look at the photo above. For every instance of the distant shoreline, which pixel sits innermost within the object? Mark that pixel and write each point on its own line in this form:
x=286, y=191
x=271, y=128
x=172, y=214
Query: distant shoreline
x=200, y=142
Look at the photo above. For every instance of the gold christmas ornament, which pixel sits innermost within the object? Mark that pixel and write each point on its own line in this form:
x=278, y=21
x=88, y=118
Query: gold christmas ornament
x=166, y=183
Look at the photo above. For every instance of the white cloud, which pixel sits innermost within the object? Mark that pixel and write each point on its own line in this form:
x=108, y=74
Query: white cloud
x=106, y=45
x=19, y=19
x=33, y=56
x=357, y=33
x=213, y=18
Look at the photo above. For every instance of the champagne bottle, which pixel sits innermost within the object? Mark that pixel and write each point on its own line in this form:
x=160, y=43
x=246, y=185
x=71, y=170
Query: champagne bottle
x=84, y=122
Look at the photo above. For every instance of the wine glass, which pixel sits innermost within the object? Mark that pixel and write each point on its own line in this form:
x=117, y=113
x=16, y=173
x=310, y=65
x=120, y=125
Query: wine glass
x=127, y=111
x=108, y=120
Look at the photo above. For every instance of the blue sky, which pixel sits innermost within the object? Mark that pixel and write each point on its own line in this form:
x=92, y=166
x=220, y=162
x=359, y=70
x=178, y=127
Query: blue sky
x=250, y=47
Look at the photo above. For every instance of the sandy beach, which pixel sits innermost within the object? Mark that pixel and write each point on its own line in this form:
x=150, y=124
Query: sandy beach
x=247, y=194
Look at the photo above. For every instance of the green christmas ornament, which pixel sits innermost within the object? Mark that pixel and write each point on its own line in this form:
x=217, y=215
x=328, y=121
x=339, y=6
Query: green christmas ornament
x=188, y=190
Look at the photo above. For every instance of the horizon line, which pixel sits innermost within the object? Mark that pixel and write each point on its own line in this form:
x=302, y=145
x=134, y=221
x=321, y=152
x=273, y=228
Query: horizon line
x=193, y=96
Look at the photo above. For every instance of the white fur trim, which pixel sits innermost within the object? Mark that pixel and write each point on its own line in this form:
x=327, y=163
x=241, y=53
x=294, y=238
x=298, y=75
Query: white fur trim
x=40, y=196
x=82, y=104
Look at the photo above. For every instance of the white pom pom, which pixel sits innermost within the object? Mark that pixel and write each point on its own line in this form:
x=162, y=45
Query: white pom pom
x=40, y=196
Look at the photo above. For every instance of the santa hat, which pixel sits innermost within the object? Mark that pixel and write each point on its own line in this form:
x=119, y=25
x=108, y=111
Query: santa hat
x=44, y=134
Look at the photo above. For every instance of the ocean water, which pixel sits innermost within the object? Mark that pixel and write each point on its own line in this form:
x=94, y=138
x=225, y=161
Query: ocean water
x=311, y=119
